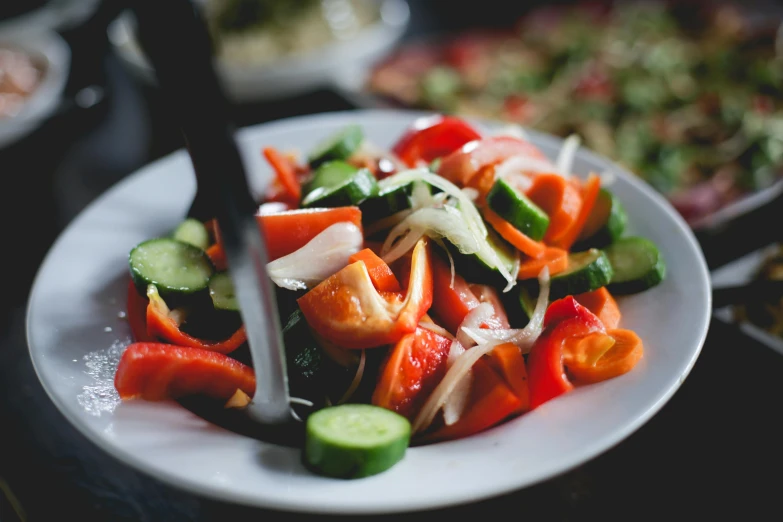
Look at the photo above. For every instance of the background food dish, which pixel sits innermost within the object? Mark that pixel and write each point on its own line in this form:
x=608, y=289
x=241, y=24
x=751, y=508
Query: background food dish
x=51, y=56
x=73, y=324
x=686, y=96
x=298, y=52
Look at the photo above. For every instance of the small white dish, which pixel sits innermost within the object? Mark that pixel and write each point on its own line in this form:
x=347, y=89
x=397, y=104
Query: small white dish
x=740, y=272
x=54, y=53
x=76, y=332
x=287, y=76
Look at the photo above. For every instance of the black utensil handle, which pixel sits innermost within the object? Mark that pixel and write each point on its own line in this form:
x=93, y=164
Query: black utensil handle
x=175, y=38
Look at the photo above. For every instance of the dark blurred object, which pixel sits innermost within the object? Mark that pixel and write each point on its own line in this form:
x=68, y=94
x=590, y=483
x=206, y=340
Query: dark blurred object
x=14, y=8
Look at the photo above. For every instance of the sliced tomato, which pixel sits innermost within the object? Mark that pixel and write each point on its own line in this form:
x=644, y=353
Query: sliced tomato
x=158, y=371
x=462, y=164
x=347, y=310
x=411, y=370
x=450, y=303
x=433, y=137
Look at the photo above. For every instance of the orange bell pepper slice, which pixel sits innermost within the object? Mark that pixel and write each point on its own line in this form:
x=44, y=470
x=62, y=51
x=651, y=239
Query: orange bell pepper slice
x=347, y=310
x=603, y=356
x=161, y=324
x=602, y=304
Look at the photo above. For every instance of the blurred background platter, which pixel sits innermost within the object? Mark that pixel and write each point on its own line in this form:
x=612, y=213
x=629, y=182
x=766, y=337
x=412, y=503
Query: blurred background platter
x=689, y=96
x=279, y=48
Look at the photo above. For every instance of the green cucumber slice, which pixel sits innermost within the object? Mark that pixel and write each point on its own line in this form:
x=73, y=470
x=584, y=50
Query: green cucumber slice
x=338, y=184
x=477, y=269
x=637, y=264
x=391, y=200
x=221, y=290
x=176, y=268
x=339, y=146
x=606, y=223
x=355, y=440
x=517, y=209
x=192, y=231
x=587, y=271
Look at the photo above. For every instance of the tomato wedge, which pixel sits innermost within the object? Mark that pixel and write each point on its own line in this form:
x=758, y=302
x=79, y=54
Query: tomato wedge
x=411, y=370
x=433, y=137
x=159, y=371
x=462, y=164
x=347, y=310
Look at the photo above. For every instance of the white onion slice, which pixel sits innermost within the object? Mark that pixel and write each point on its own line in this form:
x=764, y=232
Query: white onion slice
x=515, y=167
x=432, y=327
x=458, y=398
x=565, y=160
x=322, y=256
x=481, y=314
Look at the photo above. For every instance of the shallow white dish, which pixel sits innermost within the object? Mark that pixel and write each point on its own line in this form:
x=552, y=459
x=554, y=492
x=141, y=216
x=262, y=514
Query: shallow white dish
x=76, y=331
x=55, y=54
x=286, y=76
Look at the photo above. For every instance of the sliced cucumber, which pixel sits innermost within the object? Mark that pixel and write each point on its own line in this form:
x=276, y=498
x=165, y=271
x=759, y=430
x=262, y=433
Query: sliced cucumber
x=340, y=146
x=304, y=360
x=587, y=271
x=221, y=290
x=606, y=223
x=355, y=440
x=479, y=270
x=527, y=301
x=637, y=264
x=517, y=209
x=338, y=184
x=192, y=231
x=390, y=201
x=176, y=268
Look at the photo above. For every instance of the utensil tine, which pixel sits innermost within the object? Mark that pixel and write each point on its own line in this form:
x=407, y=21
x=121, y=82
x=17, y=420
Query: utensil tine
x=183, y=64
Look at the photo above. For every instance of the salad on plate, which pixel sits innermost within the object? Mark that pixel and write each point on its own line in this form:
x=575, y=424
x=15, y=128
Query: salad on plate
x=426, y=293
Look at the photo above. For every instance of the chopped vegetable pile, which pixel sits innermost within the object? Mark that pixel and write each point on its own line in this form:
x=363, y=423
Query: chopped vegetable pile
x=427, y=292
x=688, y=95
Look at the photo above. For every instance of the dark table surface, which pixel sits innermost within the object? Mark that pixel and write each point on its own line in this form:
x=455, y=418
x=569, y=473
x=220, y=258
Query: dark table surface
x=714, y=450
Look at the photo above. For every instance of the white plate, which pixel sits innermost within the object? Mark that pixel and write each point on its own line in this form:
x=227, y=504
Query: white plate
x=75, y=332
x=53, y=51
x=286, y=76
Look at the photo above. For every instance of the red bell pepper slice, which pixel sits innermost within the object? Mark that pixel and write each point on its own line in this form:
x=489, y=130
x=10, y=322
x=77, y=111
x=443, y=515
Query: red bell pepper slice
x=432, y=137
x=136, y=314
x=159, y=371
x=462, y=164
x=488, y=294
x=491, y=401
x=564, y=319
x=162, y=324
x=288, y=231
x=410, y=371
x=450, y=304
x=347, y=310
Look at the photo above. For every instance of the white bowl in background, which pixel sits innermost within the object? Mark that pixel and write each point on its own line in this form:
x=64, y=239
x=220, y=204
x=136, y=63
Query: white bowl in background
x=50, y=48
x=289, y=75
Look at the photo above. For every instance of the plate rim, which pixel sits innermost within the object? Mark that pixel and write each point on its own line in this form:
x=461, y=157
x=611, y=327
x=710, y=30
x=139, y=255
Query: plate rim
x=199, y=488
